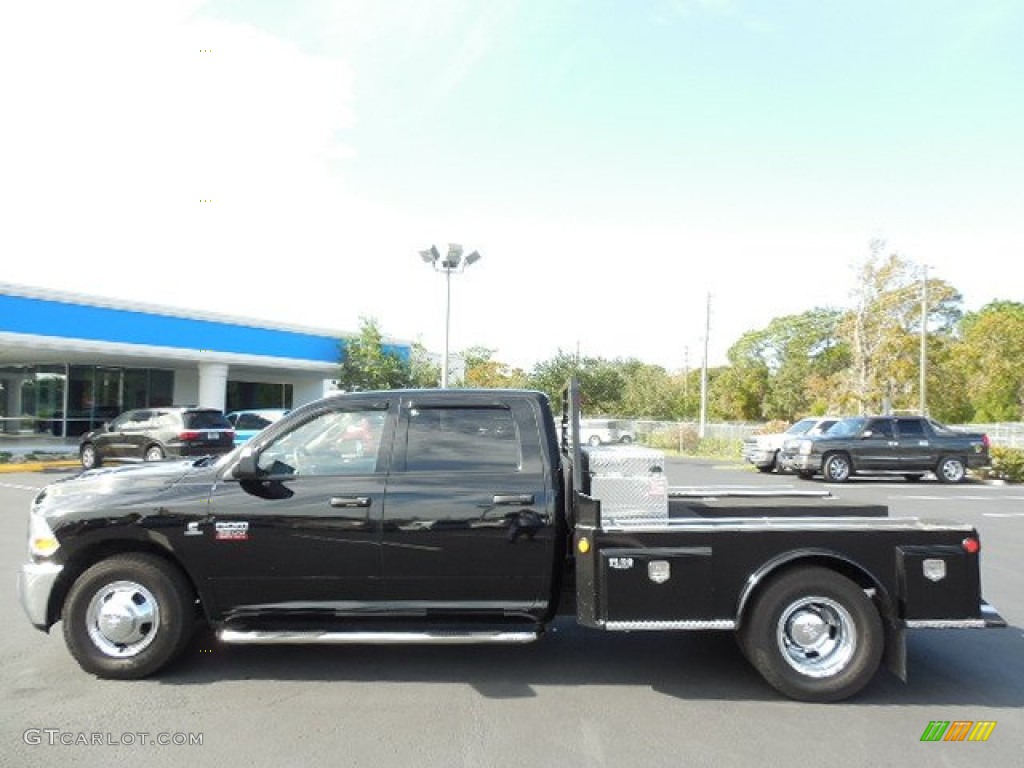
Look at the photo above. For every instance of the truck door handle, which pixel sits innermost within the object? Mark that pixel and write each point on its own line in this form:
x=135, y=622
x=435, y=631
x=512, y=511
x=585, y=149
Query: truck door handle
x=513, y=499
x=350, y=501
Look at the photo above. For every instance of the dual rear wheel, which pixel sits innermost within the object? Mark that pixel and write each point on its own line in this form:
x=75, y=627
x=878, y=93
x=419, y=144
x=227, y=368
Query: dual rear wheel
x=813, y=634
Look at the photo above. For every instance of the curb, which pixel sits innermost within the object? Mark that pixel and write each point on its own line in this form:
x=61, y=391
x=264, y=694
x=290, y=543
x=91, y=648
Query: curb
x=36, y=466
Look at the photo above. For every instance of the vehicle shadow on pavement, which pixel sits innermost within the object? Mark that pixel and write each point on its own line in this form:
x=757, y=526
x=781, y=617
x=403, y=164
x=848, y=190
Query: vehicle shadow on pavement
x=946, y=668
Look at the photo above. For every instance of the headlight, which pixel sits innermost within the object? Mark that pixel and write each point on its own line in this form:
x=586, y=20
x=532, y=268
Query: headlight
x=805, y=447
x=41, y=541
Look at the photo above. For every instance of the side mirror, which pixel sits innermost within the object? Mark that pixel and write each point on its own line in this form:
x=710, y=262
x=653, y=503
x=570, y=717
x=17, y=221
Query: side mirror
x=245, y=469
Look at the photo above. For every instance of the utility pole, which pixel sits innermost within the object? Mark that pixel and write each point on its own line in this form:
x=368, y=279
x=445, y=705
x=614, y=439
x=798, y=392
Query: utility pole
x=686, y=379
x=704, y=374
x=923, y=389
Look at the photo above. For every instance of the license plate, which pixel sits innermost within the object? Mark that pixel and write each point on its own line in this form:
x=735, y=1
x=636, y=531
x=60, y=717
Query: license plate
x=211, y=436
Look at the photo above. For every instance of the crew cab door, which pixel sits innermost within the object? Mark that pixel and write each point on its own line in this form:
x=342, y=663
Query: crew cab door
x=469, y=513
x=878, y=447
x=916, y=446
x=304, y=534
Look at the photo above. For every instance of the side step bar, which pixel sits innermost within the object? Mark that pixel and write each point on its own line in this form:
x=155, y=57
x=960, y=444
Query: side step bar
x=237, y=637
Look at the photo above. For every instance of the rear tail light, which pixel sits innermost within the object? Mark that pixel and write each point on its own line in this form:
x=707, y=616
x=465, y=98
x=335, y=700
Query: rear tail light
x=189, y=435
x=985, y=441
x=971, y=545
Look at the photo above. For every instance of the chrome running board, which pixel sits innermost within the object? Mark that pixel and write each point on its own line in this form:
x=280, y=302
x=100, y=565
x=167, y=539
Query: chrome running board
x=256, y=637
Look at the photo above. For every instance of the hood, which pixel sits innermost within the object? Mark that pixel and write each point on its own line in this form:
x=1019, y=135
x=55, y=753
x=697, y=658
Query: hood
x=98, y=488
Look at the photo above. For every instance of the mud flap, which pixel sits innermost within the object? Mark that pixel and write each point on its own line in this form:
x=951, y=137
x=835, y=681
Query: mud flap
x=895, y=655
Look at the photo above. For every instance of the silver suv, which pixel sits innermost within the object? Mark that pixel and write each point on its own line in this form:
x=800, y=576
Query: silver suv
x=605, y=431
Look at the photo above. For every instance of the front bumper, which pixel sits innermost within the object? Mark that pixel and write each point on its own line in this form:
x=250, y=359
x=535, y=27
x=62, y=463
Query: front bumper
x=35, y=585
x=759, y=457
x=802, y=463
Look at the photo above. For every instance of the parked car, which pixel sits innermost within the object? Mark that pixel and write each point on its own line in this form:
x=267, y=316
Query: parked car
x=605, y=431
x=765, y=451
x=910, y=446
x=151, y=434
x=248, y=424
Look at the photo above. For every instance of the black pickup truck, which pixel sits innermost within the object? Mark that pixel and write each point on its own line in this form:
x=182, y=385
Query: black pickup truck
x=472, y=516
x=908, y=446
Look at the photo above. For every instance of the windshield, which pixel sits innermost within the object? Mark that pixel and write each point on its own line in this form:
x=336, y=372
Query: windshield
x=801, y=426
x=847, y=427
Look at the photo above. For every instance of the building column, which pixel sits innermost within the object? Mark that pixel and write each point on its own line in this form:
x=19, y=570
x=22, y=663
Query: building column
x=307, y=390
x=13, y=425
x=213, y=384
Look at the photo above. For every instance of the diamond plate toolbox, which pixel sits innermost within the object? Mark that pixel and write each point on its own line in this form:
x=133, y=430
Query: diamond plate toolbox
x=629, y=482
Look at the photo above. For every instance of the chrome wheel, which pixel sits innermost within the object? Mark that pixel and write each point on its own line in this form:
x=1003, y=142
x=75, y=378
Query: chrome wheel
x=88, y=456
x=122, y=619
x=813, y=634
x=837, y=468
x=951, y=470
x=817, y=636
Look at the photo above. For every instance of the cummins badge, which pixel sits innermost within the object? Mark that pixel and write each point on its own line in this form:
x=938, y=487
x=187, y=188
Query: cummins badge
x=659, y=571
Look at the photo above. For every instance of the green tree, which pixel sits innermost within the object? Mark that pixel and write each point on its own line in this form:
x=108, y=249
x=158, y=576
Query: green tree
x=882, y=330
x=601, y=381
x=366, y=363
x=990, y=357
x=651, y=393
x=482, y=370
x=423, y=371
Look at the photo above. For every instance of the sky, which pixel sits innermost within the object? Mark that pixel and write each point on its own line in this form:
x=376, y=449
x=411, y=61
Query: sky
x=615, y=163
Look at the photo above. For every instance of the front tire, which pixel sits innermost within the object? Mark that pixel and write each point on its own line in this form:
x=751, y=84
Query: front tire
x=951, y=470
x=813, y=635
x=128, y=616
x=836, y=468
x=89, y=456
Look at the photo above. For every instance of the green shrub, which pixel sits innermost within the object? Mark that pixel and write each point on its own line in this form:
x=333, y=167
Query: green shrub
x=1007, y=464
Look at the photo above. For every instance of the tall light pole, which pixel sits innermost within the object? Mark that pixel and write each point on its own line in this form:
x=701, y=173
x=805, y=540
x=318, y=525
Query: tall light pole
x=453, y=262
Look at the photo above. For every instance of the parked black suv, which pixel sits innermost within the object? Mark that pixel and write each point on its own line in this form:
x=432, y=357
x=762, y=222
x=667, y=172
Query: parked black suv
x=151, y=434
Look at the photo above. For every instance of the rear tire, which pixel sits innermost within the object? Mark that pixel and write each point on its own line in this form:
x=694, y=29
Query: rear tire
x=813, y=635
x=154, y=453
x=951, y=469
x=128, y=616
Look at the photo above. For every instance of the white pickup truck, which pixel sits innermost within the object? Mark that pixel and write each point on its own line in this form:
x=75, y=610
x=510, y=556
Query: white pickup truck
x=763, y=450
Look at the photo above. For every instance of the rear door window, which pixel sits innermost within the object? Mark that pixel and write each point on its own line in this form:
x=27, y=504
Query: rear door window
x=206, y=420
x=477, y=439
x=911, y=429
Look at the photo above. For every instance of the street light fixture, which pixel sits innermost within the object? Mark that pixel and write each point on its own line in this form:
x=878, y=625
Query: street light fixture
x=452, y=262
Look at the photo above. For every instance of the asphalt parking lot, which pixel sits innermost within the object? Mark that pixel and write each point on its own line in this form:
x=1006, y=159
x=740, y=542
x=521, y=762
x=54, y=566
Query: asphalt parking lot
x=576, y=697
